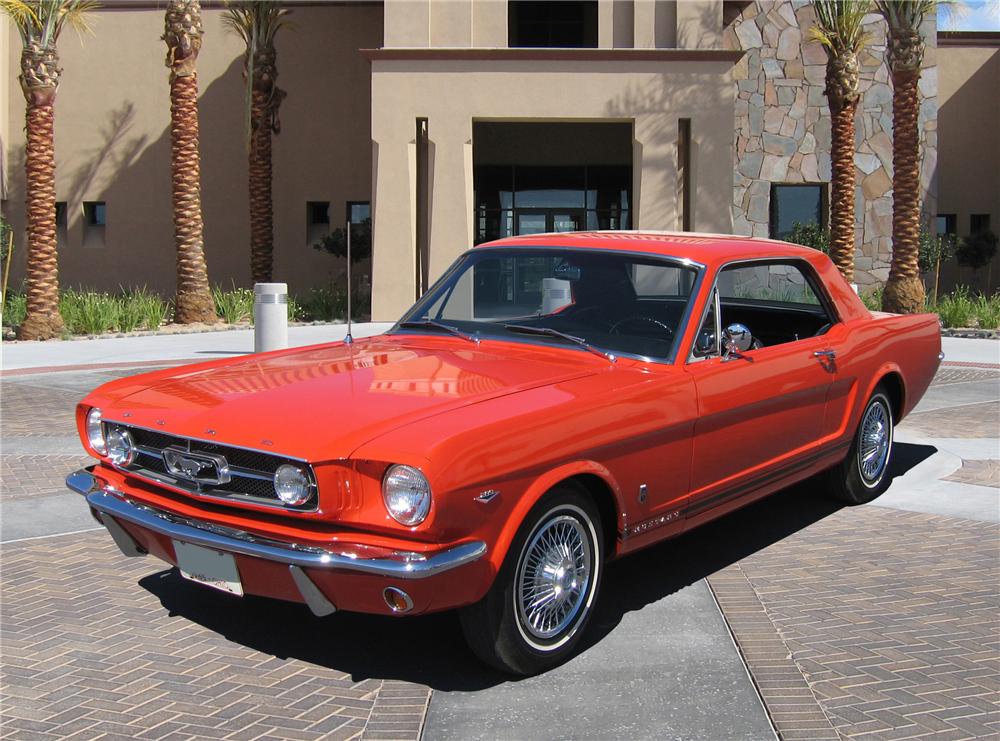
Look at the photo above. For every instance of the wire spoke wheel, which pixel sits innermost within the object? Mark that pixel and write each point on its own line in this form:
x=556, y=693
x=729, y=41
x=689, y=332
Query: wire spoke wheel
x=553, y=577
x=874, y=442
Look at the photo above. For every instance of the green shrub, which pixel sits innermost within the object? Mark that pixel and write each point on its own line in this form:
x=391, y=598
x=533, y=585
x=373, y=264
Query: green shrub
x=15, y=308
x=142, y=309
x=988, y=311
x=956, y=309
x=873, y=298
x=234, y=306
x=976, y=250
x=335, y=243
x=130, y=314
x=90, y=312
x=294, y=310
x=810, y=235
x=323, y=304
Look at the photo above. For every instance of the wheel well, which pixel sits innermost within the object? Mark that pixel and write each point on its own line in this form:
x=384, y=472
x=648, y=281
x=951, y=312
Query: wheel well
x=893, y=384
x=607, y=507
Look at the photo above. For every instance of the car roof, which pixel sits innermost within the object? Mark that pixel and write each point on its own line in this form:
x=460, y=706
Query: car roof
x=708, y=249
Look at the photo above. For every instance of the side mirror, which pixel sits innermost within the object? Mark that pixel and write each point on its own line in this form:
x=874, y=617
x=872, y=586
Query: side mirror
x=705, y=343
x=736, y=340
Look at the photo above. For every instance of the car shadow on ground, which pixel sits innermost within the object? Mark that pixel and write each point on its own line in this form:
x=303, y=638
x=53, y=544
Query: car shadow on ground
x=430, y=649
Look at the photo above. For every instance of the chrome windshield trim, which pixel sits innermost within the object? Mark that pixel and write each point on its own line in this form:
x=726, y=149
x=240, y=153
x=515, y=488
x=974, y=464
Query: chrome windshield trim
x=108, y=501
x=671, y=359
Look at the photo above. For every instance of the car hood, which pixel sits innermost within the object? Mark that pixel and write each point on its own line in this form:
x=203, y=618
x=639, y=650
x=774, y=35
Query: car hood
x=323, y=402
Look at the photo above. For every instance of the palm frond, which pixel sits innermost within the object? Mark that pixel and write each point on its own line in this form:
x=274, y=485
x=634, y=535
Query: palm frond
x=257, y=22
x=41, y=21
x=906, y=15
x=20, y=13
x=77, y=13
x=840, y=24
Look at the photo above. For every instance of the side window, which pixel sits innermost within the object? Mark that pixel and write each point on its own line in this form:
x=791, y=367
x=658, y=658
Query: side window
x=777, y=283
x=776, y=301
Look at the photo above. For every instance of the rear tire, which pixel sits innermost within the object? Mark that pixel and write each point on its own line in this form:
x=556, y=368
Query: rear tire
x=863, y=475
x=541, y=601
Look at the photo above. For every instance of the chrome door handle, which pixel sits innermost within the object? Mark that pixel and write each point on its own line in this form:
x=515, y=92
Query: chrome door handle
x=828, y=354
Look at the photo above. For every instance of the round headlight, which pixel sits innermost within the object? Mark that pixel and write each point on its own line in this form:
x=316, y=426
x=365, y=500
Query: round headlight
x=95, y=433
x=291, y=484
x=407, y=495
x=121, y=448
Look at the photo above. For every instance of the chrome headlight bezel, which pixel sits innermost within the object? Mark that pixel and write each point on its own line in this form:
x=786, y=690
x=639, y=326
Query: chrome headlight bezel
x=293, y=485
x=95, y=431
x=120, y=447
x=406, y=493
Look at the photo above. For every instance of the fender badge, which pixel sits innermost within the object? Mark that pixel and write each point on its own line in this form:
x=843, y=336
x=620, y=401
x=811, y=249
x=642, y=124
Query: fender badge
x=488, y=496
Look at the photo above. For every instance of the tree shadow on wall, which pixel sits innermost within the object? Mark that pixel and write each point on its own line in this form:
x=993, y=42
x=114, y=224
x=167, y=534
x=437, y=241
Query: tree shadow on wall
x=131, y=173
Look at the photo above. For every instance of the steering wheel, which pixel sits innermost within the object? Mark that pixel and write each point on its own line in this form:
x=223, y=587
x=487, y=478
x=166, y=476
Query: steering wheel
x=639, y=318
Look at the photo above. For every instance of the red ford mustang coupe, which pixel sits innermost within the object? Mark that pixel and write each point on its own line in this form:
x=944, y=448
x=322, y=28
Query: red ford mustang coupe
x=553, y=402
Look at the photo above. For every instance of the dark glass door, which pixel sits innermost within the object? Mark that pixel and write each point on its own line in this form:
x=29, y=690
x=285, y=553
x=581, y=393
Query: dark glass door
x=539, y=220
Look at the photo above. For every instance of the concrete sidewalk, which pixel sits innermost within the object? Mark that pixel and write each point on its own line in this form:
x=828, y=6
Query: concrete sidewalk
x=207, y=345
x=169, y=347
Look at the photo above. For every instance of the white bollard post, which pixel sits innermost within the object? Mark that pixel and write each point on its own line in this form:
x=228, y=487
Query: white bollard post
x=270, y=316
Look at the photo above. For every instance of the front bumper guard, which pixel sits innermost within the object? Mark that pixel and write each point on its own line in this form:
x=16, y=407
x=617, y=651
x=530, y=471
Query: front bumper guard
x=112, y=505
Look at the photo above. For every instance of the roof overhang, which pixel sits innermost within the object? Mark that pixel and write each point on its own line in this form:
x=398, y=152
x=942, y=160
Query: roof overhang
x=560, y=55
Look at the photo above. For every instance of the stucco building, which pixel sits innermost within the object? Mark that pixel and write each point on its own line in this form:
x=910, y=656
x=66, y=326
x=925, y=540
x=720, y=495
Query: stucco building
x=450, y=122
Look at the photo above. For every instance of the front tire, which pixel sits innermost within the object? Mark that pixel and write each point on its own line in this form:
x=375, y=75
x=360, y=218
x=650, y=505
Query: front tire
x=863, y=475
x=538, y=607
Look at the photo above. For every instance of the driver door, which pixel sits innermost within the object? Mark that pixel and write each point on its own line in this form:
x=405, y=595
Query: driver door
x=760, y=416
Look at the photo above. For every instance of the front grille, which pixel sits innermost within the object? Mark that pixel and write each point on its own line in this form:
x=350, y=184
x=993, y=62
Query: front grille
x=251, y=472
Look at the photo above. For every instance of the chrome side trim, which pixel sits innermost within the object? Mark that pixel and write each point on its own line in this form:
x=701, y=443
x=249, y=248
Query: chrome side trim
x=107, y=500
x=316, y=600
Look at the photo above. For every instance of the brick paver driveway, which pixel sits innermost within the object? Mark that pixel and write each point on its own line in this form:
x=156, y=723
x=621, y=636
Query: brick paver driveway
x=864, y=622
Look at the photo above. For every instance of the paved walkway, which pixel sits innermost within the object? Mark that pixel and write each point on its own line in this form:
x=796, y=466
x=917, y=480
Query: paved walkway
x=164, y=349
x=864, y=622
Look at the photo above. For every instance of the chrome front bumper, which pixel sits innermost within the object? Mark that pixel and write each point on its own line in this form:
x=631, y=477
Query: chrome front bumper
x=112, y=505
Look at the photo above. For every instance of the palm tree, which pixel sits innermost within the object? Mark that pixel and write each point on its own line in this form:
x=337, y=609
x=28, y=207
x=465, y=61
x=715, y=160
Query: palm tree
x=39, y=23
x=840, y=29
x=257, y=22
x=182, y=33
x=904, y=291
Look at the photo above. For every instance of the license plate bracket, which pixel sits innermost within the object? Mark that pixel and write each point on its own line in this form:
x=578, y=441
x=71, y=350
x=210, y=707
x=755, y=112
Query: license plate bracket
x=209, y=567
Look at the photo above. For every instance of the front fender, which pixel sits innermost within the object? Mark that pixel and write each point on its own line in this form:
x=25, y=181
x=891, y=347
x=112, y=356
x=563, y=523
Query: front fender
x=538, y=488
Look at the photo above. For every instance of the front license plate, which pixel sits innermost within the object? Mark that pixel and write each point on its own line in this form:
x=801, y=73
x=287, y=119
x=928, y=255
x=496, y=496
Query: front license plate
x=205, y=566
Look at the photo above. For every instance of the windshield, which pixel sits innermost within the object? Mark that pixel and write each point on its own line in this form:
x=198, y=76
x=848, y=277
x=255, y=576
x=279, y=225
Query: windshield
x=613, y=302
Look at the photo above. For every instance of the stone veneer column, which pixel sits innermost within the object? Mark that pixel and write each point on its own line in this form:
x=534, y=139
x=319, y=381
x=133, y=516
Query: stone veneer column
x=783, y=124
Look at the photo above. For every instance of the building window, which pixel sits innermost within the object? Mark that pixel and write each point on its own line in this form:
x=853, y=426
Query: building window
x=95, y=220
x=318, y=212
x=560, y=24
x=947, y=224
x=62, y=222
x=796, y=204
x=95, y=213
x=979, y=223
x=317, y=220
x=358, y=212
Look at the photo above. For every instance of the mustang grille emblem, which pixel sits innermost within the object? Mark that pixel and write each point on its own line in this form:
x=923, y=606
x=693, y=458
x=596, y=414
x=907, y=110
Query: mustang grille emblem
x=201, y=468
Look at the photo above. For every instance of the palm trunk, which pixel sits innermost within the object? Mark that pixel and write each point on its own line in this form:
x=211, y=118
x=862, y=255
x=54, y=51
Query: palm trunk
x=261, y=206
x=43, y=320
x=904, y=291
x=842, y=234
x=194, y=298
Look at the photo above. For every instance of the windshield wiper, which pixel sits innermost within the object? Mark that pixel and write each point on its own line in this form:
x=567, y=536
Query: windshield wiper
x=424, y=323
x=549, y=332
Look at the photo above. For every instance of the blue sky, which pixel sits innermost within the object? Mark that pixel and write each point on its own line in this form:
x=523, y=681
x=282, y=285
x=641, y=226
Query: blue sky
x=974, y=15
